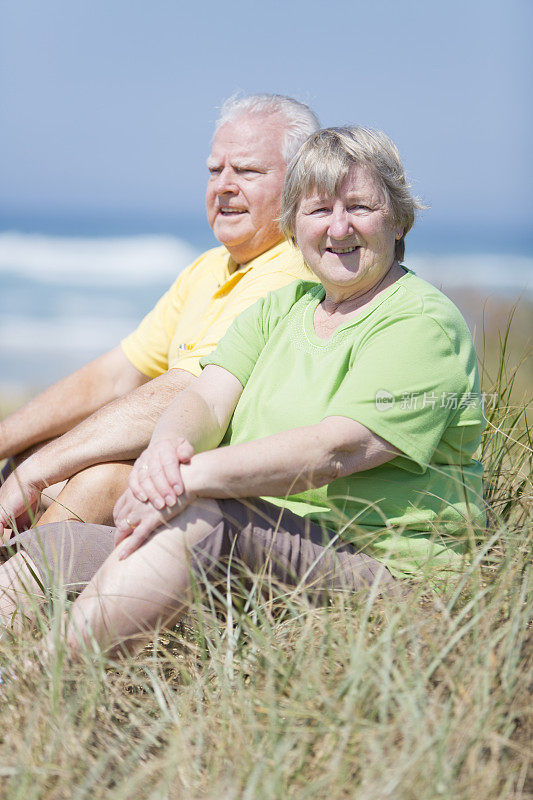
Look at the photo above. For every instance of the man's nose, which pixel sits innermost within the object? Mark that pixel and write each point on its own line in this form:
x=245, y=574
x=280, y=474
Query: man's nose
x=340, y=225
x=225, y=182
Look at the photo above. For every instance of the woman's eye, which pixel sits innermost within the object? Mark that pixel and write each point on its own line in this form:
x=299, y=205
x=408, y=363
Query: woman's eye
x=358, y=207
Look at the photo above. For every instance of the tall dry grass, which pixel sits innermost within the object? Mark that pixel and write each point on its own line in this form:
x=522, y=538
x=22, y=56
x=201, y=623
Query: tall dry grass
x=260, y=699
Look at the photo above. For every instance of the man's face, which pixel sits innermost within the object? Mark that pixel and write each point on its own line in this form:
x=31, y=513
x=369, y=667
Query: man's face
x=244, y=189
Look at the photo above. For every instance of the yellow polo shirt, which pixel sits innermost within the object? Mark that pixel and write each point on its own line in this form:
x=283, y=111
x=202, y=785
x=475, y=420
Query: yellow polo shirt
x=199, y=307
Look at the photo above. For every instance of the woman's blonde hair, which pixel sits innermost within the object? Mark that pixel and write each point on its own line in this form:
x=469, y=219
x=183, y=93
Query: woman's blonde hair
x=322, y=164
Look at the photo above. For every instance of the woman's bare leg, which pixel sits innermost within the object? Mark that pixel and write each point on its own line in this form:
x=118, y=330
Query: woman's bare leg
x=127, y=600
x=20, y=593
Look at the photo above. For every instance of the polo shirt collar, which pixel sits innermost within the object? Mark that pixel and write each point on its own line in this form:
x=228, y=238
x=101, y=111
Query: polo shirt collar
x=233, y=273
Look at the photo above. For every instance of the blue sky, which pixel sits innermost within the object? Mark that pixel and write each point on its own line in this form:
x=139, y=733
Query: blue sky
x=107, y=106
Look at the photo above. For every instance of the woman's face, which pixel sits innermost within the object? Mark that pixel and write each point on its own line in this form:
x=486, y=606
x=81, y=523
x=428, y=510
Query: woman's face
x=348, y=240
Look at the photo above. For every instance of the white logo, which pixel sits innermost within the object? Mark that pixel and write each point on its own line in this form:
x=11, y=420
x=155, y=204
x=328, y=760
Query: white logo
x=384, y=400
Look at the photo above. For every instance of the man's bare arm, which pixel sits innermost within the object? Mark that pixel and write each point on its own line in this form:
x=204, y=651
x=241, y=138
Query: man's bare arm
x=117, y=432
x=69, y=401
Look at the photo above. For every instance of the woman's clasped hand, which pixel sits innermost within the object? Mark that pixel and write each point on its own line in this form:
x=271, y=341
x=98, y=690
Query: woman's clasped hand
x=156, y=493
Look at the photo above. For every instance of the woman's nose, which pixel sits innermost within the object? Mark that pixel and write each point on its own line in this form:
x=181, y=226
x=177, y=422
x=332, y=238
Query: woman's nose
x=340, y=224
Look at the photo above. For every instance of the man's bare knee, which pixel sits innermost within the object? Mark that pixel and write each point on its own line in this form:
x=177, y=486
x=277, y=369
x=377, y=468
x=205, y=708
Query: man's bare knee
x=91, y=494
x=106, y=477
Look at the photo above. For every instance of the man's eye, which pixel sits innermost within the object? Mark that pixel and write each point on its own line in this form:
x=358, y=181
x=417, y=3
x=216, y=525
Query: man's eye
x=247, y=171
x=215, y=170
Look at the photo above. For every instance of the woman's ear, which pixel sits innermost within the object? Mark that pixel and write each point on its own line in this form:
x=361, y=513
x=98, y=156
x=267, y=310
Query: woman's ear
x=398, y=234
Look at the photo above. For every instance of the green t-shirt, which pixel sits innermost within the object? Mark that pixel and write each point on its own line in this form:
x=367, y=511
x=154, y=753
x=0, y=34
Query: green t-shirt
x=405, y=368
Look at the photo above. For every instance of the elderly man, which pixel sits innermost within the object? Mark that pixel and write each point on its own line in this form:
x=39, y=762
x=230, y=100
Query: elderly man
x=100, y=418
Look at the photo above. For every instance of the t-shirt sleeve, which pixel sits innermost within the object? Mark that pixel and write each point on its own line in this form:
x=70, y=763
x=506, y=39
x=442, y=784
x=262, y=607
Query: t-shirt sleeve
x=242, y=344
x=251, y=289
x=239, y=350
x=396, y=384
x=147, y=347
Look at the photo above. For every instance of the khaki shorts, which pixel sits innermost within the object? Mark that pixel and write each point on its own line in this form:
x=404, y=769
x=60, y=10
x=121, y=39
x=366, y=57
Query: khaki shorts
x=254, y=536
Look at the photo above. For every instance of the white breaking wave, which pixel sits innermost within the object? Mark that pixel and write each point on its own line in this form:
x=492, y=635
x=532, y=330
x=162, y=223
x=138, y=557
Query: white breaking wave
x=102, y=261
x=86, y=335
x=141, y=260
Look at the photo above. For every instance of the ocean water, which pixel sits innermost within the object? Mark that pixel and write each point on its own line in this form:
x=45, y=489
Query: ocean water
x=67, y=299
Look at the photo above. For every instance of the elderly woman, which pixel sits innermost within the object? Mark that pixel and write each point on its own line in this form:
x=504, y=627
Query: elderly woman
x=330, y=438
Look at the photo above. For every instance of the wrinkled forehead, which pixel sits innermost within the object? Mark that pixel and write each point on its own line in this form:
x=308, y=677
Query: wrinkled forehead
x=250, y=136
x=328, y=179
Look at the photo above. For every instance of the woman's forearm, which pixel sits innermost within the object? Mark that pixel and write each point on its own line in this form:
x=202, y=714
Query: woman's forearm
x=189, y=417
x=202, y=412
x=282, y=464
x=288, y=462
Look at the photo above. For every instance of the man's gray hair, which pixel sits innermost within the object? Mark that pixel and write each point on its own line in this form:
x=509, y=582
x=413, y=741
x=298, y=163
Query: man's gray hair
x=301, y=121
x=323, y=162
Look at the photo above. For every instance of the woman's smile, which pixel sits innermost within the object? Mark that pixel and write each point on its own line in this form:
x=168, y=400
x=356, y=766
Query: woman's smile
x=341, y=251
